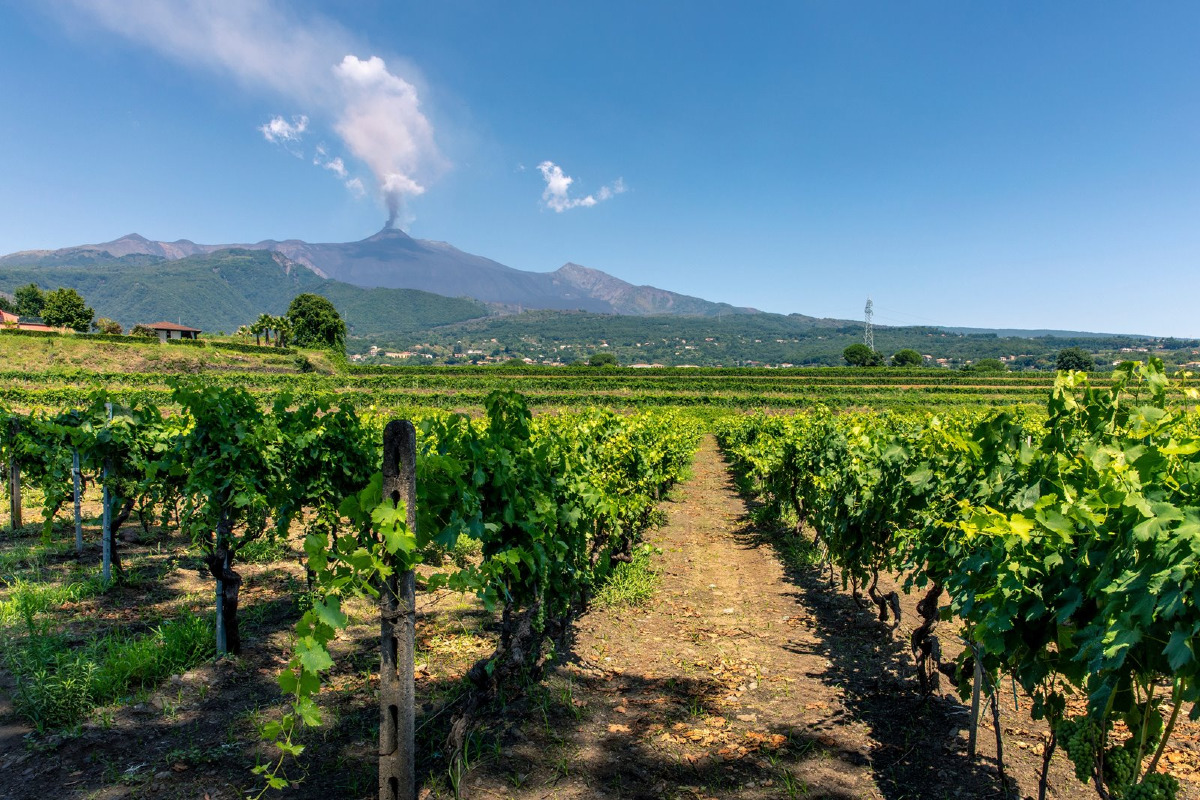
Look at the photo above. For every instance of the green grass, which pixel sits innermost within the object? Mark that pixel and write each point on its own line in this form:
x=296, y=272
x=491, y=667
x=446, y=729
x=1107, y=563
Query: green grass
x=31, y=556
x=60, y=682
x=797, y=550
x=630, y=584
x=26, y=599
x=265, y=551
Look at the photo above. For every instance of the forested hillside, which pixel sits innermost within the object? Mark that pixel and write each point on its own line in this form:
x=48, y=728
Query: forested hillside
x=229, y=288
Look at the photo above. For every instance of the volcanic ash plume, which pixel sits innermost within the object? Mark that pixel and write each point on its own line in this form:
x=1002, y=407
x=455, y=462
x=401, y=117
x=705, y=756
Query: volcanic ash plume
x=382, y=125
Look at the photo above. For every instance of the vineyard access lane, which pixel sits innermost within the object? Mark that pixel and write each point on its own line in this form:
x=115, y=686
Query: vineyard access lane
x=740, y=680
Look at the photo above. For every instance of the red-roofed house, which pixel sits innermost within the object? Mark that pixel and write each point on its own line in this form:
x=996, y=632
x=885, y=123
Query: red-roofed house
x=8, y=320
x=169, y=330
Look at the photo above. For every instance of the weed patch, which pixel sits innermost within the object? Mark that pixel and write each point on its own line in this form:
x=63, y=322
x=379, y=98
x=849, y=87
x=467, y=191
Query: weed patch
x=631, y=583
x=265, y=551
x=60, y=682
x=27, y=599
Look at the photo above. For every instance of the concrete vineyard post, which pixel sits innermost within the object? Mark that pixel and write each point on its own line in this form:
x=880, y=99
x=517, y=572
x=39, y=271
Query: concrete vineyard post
x=75, y=479
x=973, y=732
x=397, y=732
x=12, y=476
x=14, y=493
x=222, y=635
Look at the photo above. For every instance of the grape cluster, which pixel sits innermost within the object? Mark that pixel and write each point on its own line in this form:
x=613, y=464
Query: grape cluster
x=1081, y=739
x=1119, y=768
x=1155, y=786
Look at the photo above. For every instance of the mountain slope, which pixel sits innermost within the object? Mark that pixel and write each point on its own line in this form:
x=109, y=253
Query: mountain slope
x=625, y=298
x=222, y=290
x=393, y=259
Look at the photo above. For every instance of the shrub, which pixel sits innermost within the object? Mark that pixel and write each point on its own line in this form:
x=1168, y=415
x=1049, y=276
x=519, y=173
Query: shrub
x=987, y=365
x=108, y=326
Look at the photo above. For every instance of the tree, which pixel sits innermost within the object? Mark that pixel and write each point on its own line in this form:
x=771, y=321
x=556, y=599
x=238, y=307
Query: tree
x=603, y=360
x=65, y=308
x=1074, y=358
x=29, y=300
x=907, y=358
x=7, y=304
x=143, y=330
x=312, y=321
x=283, y=331
x=859, y=355
x=108, y=326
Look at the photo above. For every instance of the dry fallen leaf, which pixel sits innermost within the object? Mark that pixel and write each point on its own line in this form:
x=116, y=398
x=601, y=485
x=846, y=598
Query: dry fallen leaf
x=618, y=729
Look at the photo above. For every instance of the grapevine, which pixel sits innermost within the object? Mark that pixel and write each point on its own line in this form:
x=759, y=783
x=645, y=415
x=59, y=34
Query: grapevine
x=1066, y=542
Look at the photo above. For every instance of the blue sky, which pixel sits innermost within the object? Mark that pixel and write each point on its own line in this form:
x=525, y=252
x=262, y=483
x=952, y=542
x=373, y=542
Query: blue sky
x=1000, y=165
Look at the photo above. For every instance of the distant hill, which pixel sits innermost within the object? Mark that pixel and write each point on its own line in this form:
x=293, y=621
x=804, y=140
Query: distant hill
x=228, y=288
x=745, y=339
x=392, y=259
x=1037, y=332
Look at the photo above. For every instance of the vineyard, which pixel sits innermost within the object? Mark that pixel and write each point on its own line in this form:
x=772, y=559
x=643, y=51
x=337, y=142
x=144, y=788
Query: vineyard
x=1065, y=549
x=466, y=388
x=196, y=572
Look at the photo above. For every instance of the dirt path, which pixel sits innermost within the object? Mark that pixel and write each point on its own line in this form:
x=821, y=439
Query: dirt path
x=740, y=680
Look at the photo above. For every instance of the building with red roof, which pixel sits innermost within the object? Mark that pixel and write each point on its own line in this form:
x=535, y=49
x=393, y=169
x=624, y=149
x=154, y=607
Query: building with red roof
x=169, y=330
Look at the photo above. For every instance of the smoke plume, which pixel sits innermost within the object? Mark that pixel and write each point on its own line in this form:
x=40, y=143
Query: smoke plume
x=307, y=63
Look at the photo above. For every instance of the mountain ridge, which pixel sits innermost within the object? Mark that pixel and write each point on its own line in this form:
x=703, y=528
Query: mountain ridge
x=390, y=258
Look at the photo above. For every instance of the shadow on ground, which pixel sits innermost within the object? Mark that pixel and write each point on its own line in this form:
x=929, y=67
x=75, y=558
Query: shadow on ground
x=916, y=752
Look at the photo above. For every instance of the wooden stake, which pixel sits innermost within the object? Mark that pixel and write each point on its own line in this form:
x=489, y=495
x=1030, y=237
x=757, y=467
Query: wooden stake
x=397, y=729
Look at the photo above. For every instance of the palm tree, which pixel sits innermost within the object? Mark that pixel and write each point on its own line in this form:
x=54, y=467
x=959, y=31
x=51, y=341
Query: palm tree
x=264, y=325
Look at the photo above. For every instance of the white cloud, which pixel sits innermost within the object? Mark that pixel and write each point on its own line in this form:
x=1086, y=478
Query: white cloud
x=280, y=130
x=557, y=197
x=355, y=185
x=309, y=62
x=334, y=165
